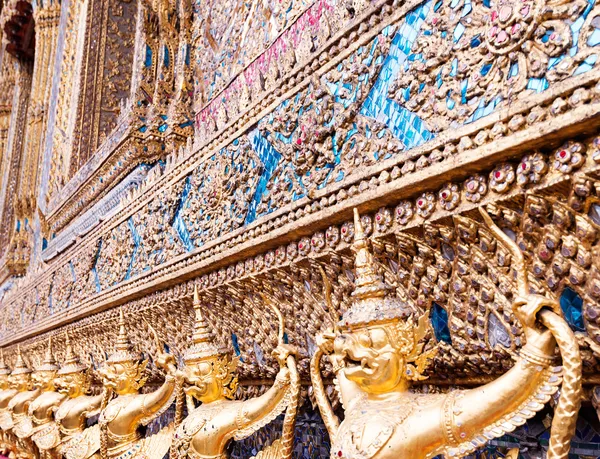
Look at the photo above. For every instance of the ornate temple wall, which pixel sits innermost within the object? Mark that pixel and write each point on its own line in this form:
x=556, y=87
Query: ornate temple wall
x=164, y=146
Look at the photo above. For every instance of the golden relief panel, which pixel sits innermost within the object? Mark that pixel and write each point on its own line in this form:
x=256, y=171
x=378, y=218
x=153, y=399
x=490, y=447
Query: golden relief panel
x=414, y=31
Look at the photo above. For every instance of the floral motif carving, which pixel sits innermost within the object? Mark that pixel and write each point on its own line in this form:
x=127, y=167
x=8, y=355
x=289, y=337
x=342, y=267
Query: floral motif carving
x=476, y=56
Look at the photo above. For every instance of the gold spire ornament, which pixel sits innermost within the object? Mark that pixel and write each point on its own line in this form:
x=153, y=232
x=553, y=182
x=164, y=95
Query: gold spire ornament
x=371, y=354
x=121, y=419
x=123, y=348
x=49, y=362
x=204, y=340
x=72, y=364
x=20, y=365
x=210, y=378
x=21, y=380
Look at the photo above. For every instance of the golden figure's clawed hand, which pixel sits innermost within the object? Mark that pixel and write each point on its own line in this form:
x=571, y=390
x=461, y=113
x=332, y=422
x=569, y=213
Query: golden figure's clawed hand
x=526, y=309
x=166, y=362
x=325, y=341
x=282, y=352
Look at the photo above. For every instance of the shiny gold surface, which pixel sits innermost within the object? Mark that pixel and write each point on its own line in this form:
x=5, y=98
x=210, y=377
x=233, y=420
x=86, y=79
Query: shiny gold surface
x=195, y=168
x=120, y=420
x=210, y=379
x=371, y=351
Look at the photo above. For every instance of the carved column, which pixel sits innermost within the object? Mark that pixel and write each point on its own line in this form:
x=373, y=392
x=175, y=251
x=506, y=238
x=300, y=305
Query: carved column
x=12, y=230
x=46, y=18
x=7, y=85
x=46, y=27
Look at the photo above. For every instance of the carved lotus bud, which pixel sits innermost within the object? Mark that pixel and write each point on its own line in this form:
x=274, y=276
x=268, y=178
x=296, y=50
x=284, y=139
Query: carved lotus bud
x=347, y=232
x=425, y=205
x=531, y=169
x=292, y=251
x=332, y=236
x=269, y=258
x=280, y=254
x=449, y=197
x=475, y=188
x=303, y=247
x=317, y=241
x=383, y=220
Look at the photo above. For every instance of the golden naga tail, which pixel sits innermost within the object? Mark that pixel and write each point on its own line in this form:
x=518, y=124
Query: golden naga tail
x=565, y=414
x=282, y=448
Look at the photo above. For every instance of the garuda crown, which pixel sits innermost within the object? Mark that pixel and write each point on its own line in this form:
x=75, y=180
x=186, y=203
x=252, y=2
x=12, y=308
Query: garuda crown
x=204, y=340
x=72, y=363
x=49, y=363
x=372, y=302
x=124, y=350
x=20, y=366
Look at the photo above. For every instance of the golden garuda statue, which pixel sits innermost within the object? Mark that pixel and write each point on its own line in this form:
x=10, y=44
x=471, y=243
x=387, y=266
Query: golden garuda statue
x=17, y=406
x=210, y=376
x=7, y=392
x=41, y=409
x=67, y=435
x=376, y=351
x=30, y=408
x=120, y=422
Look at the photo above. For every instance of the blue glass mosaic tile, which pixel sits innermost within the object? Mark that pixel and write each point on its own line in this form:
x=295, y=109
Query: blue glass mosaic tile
x=178, y=222
x=588, y=64
x=166, y=57
x=148, y=60
x=439, y=322
x=95, y=269
x=236, y=345
x=270, y=159
x=72, y=269
x=541, y=84
x=404, y=124
x=136, y=244
x=571, y=304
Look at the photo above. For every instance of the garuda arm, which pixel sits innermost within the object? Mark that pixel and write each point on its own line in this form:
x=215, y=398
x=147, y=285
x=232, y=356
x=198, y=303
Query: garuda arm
x=258, y=412
x=515, y=397
x=347, y=389
x=500, y=406
x=152, y=405
x=332, y=423
x=156, y=403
